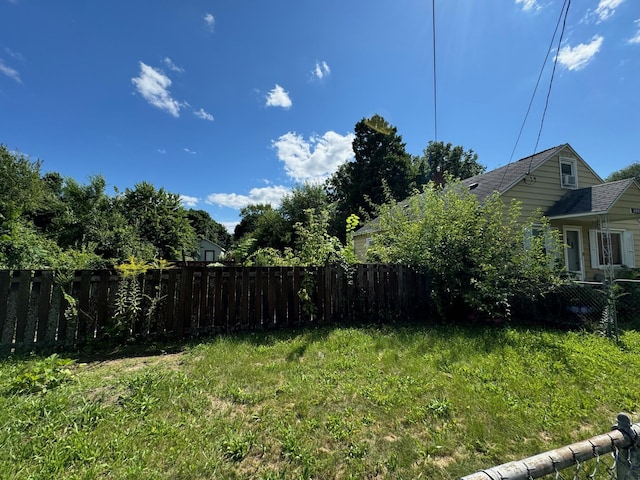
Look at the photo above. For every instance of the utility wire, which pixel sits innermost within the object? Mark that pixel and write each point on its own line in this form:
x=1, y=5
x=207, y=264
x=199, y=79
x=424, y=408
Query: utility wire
x=535, y=90
x=555, y=63
x=564, y=10
x=435, y=96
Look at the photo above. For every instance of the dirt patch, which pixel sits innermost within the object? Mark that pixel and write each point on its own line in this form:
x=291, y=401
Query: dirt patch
x=172, y=361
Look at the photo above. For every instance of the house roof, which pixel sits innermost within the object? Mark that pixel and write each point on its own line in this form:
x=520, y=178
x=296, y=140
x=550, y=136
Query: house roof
x=206, y=241
x=499, y=180
x=503, y=178
x=589, y=200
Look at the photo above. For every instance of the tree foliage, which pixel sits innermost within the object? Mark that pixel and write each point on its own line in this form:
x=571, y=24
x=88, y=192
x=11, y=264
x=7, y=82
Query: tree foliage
x=314, y=246
x=381, y=168
x=50, y=221
x=20, y=184
x=449, y=160
x=479, y=255
x=206, y=227
x=160, y=219
x=264, y=225
x=630, y=171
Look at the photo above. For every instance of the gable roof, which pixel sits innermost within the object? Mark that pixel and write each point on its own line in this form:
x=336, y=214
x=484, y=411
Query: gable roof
x=206, y=242
x=503, y=178
x=589, y=200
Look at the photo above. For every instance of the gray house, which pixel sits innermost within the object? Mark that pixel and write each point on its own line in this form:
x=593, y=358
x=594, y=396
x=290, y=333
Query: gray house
x=209, y=251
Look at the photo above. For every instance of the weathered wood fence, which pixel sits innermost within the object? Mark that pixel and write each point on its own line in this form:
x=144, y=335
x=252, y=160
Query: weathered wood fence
x=192, y=301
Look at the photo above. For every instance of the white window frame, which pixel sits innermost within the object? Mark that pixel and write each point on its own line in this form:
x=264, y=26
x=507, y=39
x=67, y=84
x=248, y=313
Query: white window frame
x=573, y=163
x=627, y=250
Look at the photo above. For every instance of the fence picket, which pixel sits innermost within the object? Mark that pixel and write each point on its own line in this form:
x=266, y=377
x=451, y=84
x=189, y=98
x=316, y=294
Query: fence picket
x=244, y=300
x=197, y=300
x=102, y=303
x=44, y=305
x=22, y=304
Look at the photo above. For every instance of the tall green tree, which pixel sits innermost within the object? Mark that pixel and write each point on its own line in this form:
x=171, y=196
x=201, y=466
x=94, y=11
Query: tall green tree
x=20, y=184
x=85, y=209
x=297, y=204
x=381, y=168
x=630, y=171
x=206, y=227
x=160, y=219
x=447, y=159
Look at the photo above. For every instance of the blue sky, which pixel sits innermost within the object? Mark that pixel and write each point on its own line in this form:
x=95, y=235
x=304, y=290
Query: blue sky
x=231, y=102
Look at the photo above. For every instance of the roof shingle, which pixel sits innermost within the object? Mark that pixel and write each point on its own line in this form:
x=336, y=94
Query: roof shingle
x=596, y=199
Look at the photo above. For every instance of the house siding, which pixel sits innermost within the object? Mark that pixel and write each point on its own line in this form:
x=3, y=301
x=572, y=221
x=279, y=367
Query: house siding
x=546, y=189
x=595, y=274
x=360, y=246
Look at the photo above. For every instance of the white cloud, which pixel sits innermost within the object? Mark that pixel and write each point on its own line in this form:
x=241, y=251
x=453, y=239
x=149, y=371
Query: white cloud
x=210, y=20
x=188, y=201
x=528, y=5
x=190, y=152
x=153, y=85
x=172, y=66
x=162, y=151
x=576, y=58
x=271, y=195
x=203, y=115
x=278, y=97
x=321, y=70
x=10, y=72
x=16, y=55
x=230, y=226
x=316, y=158
x=636, y=37
x=606, y=8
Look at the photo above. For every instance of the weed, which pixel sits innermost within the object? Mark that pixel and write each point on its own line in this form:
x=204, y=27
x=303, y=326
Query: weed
x=236, y=445
x=440, y=408
x=42, y=375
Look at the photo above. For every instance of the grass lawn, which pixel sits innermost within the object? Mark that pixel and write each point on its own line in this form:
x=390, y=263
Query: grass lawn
x=405, y=402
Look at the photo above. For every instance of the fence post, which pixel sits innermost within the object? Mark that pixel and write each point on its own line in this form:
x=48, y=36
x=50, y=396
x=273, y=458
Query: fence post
x=622, y=441
x=628, y=458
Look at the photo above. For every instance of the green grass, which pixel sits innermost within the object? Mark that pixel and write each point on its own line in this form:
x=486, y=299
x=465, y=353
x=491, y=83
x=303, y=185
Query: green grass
x=406, y=402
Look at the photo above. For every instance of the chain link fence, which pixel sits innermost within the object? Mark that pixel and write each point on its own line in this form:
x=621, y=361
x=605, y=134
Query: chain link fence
x=596, y=306
x=614, y=455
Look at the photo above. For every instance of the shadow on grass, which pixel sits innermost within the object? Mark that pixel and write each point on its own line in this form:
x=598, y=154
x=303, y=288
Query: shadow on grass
x=485, y=338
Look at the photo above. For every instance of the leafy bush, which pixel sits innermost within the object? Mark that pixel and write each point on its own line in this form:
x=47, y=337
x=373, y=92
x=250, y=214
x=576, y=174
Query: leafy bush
x=42, y=375
x=480, y=255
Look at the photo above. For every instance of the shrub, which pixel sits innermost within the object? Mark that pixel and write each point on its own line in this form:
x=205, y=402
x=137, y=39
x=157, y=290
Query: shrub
x=480, y=255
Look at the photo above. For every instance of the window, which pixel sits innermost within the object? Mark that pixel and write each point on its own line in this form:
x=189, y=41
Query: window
x=209, y=255
x=568, y=173
x=544, y=233
x=615, y=249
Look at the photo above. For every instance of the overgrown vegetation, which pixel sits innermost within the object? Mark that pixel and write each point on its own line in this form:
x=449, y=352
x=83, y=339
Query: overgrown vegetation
x=407, y=402
x=131, y=302
x=51, y=222
x=480, y=255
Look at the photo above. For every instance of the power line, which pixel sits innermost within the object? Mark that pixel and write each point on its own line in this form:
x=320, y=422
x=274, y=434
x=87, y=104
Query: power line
x=435, y=96
x=535, y=90
x=564, y=11
x=555, y=63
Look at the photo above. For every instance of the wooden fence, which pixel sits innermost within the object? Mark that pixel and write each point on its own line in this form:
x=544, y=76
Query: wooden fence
x=191, y=301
